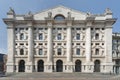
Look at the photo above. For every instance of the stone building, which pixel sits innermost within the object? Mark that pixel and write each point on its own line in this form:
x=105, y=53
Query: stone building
x=3, y=60
x=116, y=52
x=60, y=39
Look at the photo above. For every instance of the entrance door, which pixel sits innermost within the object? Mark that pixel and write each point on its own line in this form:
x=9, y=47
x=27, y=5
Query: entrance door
x=59, y=66
x=97, y=66
x=78, y=66
x=40, y=66
x=22, y=66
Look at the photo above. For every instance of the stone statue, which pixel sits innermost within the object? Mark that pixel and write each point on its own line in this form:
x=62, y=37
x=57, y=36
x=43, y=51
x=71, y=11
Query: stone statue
x=11, y=10
x=49, y=14
x=69, y=15
x=108, y=10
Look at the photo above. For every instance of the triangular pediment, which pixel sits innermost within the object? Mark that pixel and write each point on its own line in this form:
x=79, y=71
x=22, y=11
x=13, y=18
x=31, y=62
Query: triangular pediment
x=60, y=10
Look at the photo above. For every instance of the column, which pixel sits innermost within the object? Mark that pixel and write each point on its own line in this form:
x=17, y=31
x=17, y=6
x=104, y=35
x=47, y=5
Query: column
x=69, y=45
x=49, y=63
x=108, y=49
x=29, y=65
x=88, y=54
x=69, y=64
x=11, y=48
x=88, y=44
x=50, y=45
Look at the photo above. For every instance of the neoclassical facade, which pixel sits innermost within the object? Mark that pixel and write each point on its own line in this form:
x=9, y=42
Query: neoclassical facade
x=60, y=40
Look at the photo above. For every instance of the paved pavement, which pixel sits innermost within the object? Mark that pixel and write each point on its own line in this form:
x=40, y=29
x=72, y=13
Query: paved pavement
x=59, y=76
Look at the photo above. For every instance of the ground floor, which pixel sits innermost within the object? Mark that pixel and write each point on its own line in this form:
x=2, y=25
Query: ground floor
x=60, y=65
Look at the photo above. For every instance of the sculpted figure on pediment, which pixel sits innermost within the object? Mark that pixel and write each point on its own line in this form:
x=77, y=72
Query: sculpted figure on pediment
x=49, y=14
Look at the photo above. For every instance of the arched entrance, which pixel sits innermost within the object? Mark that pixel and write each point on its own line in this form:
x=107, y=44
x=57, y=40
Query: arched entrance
x=59, y=66
x=97, y=66
x=40, y=66
x=21, y=66
x=77, y=66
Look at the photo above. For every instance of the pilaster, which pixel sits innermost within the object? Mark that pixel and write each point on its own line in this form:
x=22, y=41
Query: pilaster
x=11, y=48
x=29, y=64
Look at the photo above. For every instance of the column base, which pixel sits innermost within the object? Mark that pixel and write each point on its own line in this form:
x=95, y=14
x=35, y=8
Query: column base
x=88, y=67
x=48, y=67
x=29, y=67
x=10, y=67
x=68, y=67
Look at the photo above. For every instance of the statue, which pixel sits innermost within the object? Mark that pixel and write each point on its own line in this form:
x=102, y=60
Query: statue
x=108, y=10
x=69, y=15
x=11, y=10
x=49, y=14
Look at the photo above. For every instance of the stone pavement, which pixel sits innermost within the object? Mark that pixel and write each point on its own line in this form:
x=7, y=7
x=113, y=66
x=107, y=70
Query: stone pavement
x=60, y=76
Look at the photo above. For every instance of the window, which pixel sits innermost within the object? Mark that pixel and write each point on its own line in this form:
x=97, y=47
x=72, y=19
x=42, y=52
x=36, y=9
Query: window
x=40, y=51
x=78, y=36
x=77, y=28
x=59, y=51
x=59, y=36
x=59, y=28
x=59, y=17
x=97, y=51
x=97, y=36
x=78, y=51
x=40, y=28
x=21, y=36
x=21, y=52
x=40, y=36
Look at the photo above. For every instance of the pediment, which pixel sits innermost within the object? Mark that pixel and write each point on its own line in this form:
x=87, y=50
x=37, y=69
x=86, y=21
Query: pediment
x=38, y=47
x=100, y=47
x=21, y=47
x=59, y=47
x=81, y=47
x=60, y=10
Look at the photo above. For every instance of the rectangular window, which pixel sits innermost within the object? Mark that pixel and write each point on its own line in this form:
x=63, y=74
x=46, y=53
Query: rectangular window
x=78, y=51
x=78, y=36
x=59, y=36
x=40, y=51
x=59, y=51
x=77, y=28
x=40, y=36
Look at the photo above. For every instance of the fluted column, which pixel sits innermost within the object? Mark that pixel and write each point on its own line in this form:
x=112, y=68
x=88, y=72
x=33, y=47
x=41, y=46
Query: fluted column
x=88, y=44
x=69, y=44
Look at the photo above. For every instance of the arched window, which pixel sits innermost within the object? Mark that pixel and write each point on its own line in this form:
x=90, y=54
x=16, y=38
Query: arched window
x=96, y=36
x=97, y=51
x=21, y=52
x=59, y=17
x=21, y=36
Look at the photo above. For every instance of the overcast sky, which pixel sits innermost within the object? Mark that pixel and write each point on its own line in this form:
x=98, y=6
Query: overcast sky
x=24, y=6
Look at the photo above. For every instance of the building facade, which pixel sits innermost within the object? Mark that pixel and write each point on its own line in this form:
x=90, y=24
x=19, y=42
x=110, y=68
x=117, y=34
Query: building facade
x=116, y=53
x=60, y=40
x=3, y=60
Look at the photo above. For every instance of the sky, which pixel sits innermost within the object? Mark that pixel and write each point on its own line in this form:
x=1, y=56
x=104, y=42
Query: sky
x=24, y=6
